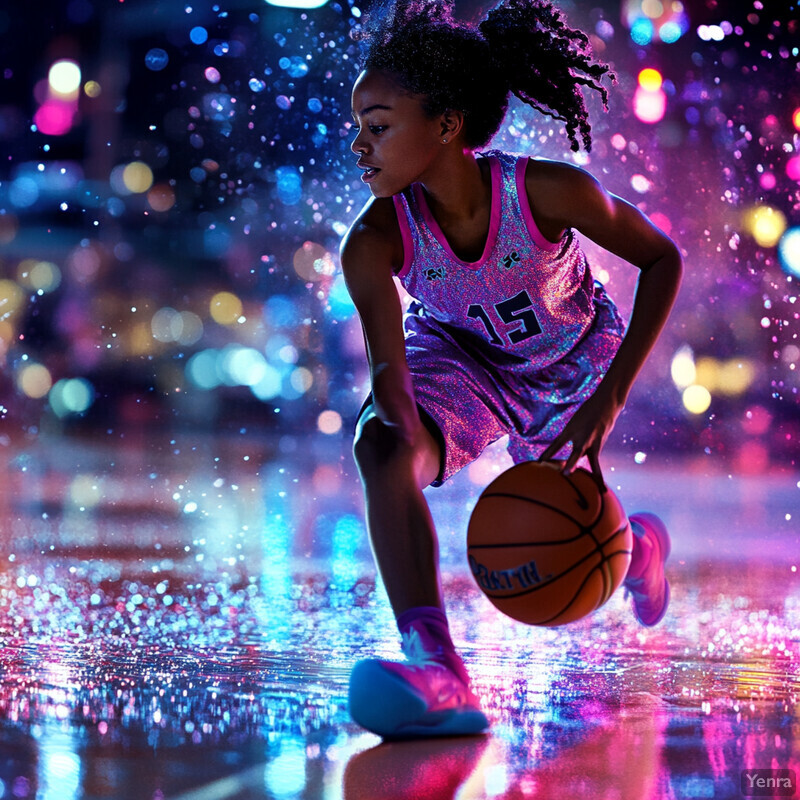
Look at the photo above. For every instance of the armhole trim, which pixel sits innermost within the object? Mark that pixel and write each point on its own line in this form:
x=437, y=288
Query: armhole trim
x=525, y=207
x=405, y=233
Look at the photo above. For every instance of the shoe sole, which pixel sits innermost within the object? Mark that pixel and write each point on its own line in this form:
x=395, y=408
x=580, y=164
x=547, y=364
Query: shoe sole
x=665, y=546
x=387, y=705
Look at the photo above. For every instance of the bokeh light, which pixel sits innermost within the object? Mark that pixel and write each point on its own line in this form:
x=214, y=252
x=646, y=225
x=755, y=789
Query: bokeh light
x=289, y=182
x=241, y=366
x=39, y=276
x=54, y=117
x=198, y=35
x=34, y=380
x=789, y=251
x=201, y=369
x=696, y=399
x=11, y=298
x=711, y=33
x=84, y=491
x=161, y=197
x=269, y=386
x=64, y=78
x=650, y=79
x=165, y=324
x=156, y=59
x=642, y=31
x=212, y=76
x=682, y=368
x=225, y=308
x=301, y=380
x=312, y=262
x=793, y=168
x=71, y=396
x=137, y=177
x=765, y=224
x=329, y=422
x=649, y=106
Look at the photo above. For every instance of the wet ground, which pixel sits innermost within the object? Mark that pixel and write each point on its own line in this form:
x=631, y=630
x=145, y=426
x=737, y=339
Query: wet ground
x=178, y=619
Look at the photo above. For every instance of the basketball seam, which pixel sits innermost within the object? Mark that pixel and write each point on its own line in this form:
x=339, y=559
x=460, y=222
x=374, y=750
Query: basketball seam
x=580, y=589
x=534, y=501
x=572, y=601
x=603, y=560
x=604, y=563
x=598, y=549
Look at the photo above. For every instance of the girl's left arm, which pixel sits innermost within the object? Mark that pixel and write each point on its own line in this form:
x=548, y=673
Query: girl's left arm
x=578, y=201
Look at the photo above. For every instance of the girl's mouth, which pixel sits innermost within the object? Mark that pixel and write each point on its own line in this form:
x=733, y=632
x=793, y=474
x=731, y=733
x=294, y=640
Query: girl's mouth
x=369, y=174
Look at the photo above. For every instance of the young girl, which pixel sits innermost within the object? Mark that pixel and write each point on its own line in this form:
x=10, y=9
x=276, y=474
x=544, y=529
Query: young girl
x=509, y=334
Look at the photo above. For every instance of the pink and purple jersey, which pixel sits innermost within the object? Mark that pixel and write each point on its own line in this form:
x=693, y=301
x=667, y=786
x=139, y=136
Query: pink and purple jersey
x=526, y=303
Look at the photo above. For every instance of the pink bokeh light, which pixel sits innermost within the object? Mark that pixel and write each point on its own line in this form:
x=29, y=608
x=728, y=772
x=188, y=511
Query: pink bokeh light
x=793, y=168
x=55, y=117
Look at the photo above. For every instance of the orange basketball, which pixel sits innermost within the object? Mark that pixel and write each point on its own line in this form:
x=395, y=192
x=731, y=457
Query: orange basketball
x=548, y=548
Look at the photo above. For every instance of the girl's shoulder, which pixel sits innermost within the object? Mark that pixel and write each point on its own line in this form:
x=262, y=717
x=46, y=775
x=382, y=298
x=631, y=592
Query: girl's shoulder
x=375, y=235
x=559, y=193
x=562, y=183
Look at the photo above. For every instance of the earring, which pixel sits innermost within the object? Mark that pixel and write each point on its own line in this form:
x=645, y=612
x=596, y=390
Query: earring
x=444, y=141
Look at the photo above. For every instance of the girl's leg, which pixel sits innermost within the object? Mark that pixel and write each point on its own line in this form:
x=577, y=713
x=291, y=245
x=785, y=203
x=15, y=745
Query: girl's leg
x=401, y=529
x=429, y=694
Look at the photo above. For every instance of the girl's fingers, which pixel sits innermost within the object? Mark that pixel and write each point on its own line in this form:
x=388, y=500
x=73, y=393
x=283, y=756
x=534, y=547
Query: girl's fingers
x=594, y=461
x=554, y=447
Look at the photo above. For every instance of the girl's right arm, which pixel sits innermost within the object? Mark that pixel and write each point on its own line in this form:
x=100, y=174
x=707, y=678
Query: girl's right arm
x=370, y=252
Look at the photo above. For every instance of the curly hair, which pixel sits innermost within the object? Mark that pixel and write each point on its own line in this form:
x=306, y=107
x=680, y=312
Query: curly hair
x=522, y=46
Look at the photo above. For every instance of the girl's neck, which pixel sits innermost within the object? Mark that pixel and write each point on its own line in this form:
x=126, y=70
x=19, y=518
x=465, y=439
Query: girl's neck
x=459, y=188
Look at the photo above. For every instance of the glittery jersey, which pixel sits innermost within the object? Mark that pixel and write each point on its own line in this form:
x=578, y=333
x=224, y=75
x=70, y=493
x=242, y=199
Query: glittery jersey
x=526, y=302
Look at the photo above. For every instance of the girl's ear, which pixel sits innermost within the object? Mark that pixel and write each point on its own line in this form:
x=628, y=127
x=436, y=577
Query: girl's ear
x=452, y=123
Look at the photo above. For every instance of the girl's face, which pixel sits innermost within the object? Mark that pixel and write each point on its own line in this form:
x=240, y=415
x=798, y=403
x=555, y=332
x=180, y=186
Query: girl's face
x=397, y=143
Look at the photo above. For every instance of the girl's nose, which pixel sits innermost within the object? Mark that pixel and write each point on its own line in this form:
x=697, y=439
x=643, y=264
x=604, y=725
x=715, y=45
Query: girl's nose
x=358, y=146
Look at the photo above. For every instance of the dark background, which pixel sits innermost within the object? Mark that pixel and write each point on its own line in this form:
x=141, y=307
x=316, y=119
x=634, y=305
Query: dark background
x=247, y=137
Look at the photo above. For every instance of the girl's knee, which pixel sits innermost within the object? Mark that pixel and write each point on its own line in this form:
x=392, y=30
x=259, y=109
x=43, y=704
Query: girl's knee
x=381, y=454
x=373, y=445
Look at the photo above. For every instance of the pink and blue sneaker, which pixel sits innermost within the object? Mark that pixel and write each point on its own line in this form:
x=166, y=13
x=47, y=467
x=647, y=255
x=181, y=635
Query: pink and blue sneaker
x=419, y=697
x=650, y=588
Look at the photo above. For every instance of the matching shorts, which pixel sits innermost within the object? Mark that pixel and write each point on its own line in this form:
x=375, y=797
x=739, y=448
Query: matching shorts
x=473, y=403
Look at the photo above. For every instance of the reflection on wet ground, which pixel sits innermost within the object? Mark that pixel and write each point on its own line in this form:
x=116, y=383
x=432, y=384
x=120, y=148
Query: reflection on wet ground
x=180, y=623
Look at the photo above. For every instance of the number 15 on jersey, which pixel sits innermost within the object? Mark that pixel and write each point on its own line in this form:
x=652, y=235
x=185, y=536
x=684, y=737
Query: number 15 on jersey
x=517, y=311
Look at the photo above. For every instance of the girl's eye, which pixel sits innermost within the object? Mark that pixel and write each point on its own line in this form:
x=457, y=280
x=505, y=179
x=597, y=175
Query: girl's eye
x=377, y=130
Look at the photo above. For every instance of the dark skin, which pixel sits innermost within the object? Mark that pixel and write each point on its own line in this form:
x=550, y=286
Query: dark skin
x=396, y=454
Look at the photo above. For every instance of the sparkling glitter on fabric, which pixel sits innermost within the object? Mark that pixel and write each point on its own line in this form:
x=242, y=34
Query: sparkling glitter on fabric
x=525, y=303
x=510, y=344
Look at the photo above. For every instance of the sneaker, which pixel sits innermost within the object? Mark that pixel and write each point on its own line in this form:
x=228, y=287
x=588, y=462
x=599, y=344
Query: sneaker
x=650, y=590
x=416, y=698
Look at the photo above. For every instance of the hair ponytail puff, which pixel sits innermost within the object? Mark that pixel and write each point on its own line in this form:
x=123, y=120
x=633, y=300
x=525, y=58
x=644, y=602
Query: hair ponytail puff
x=522, y=46
x=544, y=63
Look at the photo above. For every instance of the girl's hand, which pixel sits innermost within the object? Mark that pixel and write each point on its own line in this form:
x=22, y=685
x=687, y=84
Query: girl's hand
x=588, y=431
